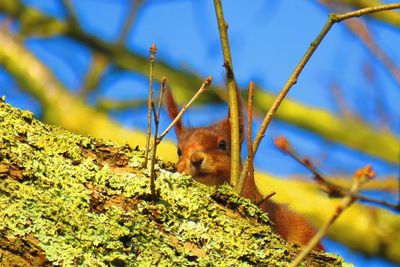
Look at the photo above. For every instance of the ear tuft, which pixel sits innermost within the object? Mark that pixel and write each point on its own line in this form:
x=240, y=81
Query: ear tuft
x=172, y=110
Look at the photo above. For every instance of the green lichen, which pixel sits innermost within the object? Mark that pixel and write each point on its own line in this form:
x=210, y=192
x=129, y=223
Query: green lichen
x=87, y=203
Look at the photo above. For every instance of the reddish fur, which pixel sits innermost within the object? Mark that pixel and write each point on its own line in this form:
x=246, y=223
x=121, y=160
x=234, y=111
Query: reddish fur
x=172, y=109
x=202, y=143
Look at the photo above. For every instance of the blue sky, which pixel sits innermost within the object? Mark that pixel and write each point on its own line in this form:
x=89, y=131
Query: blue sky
x=268, y=38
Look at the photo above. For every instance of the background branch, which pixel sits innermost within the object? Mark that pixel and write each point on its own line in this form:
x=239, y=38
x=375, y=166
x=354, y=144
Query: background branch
x=135, y=7
x=95, y=74
x=323, y=123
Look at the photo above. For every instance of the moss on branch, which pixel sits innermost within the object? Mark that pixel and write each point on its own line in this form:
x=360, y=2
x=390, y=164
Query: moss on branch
x=74, y=200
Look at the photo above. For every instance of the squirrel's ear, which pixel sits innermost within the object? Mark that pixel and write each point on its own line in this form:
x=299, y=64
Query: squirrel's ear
x=172, y=109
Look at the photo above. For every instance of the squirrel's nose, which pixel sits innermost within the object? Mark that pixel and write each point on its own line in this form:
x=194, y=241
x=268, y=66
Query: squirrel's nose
x=196, y=159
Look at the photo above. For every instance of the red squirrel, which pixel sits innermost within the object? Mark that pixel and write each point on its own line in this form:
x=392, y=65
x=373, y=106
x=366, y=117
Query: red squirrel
x=204, y=153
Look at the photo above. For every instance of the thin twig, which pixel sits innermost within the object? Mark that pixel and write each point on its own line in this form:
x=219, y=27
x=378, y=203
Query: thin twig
x=201, y=90
x=153, y=153
x=156, y=116
x=232, y=94
x=265, y=198
x=360, y=29
x=161, y=97
x=249, y=180
x=136, y=4
x=361, y=176
x=343, y=205
x=395, y=207
x=344, y=110
x=363, y=11
x=332, y=189
x=153, y=50
x=333, y=18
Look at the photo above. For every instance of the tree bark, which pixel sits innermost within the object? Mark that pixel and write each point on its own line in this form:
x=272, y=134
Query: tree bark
x=73, y=200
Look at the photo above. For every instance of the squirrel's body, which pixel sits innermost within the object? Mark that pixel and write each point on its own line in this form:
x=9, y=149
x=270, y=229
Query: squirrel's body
x=204, y=153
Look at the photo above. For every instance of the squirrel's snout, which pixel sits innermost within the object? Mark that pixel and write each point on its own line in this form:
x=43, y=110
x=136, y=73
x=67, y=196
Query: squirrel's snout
x=196, y=159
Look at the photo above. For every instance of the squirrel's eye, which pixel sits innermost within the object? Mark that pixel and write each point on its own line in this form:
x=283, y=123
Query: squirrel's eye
x=179, y=152
x=222, y=145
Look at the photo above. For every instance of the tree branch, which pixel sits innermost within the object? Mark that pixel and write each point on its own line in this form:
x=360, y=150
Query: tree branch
x=232, y=94
x=136, y=5
x=153, y=50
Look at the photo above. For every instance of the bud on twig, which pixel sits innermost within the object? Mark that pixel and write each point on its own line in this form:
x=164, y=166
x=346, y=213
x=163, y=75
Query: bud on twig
x=153, y=48
x=282, y=143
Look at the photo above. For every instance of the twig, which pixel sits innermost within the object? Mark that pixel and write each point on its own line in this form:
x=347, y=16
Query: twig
x=156, y=115
x=340, y=101
x=153, y=50
x=201, y=90
x=332, y=189
x=333, y=18
x=153, y=154
x=362, y=32
x=248, y=182
x=136, y=4
x=232, y=95
x=360, y=29
x=395, y=207
x=361, y=177
x=161, y=97
x=265, y=198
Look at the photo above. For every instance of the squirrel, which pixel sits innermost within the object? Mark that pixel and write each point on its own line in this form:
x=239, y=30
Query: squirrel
x=204, y=153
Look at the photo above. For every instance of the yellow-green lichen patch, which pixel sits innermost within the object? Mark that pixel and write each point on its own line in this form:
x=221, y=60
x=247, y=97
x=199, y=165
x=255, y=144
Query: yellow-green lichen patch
x=84, y=202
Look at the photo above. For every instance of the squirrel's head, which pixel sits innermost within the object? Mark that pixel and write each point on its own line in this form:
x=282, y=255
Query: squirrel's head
x=204, y=152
